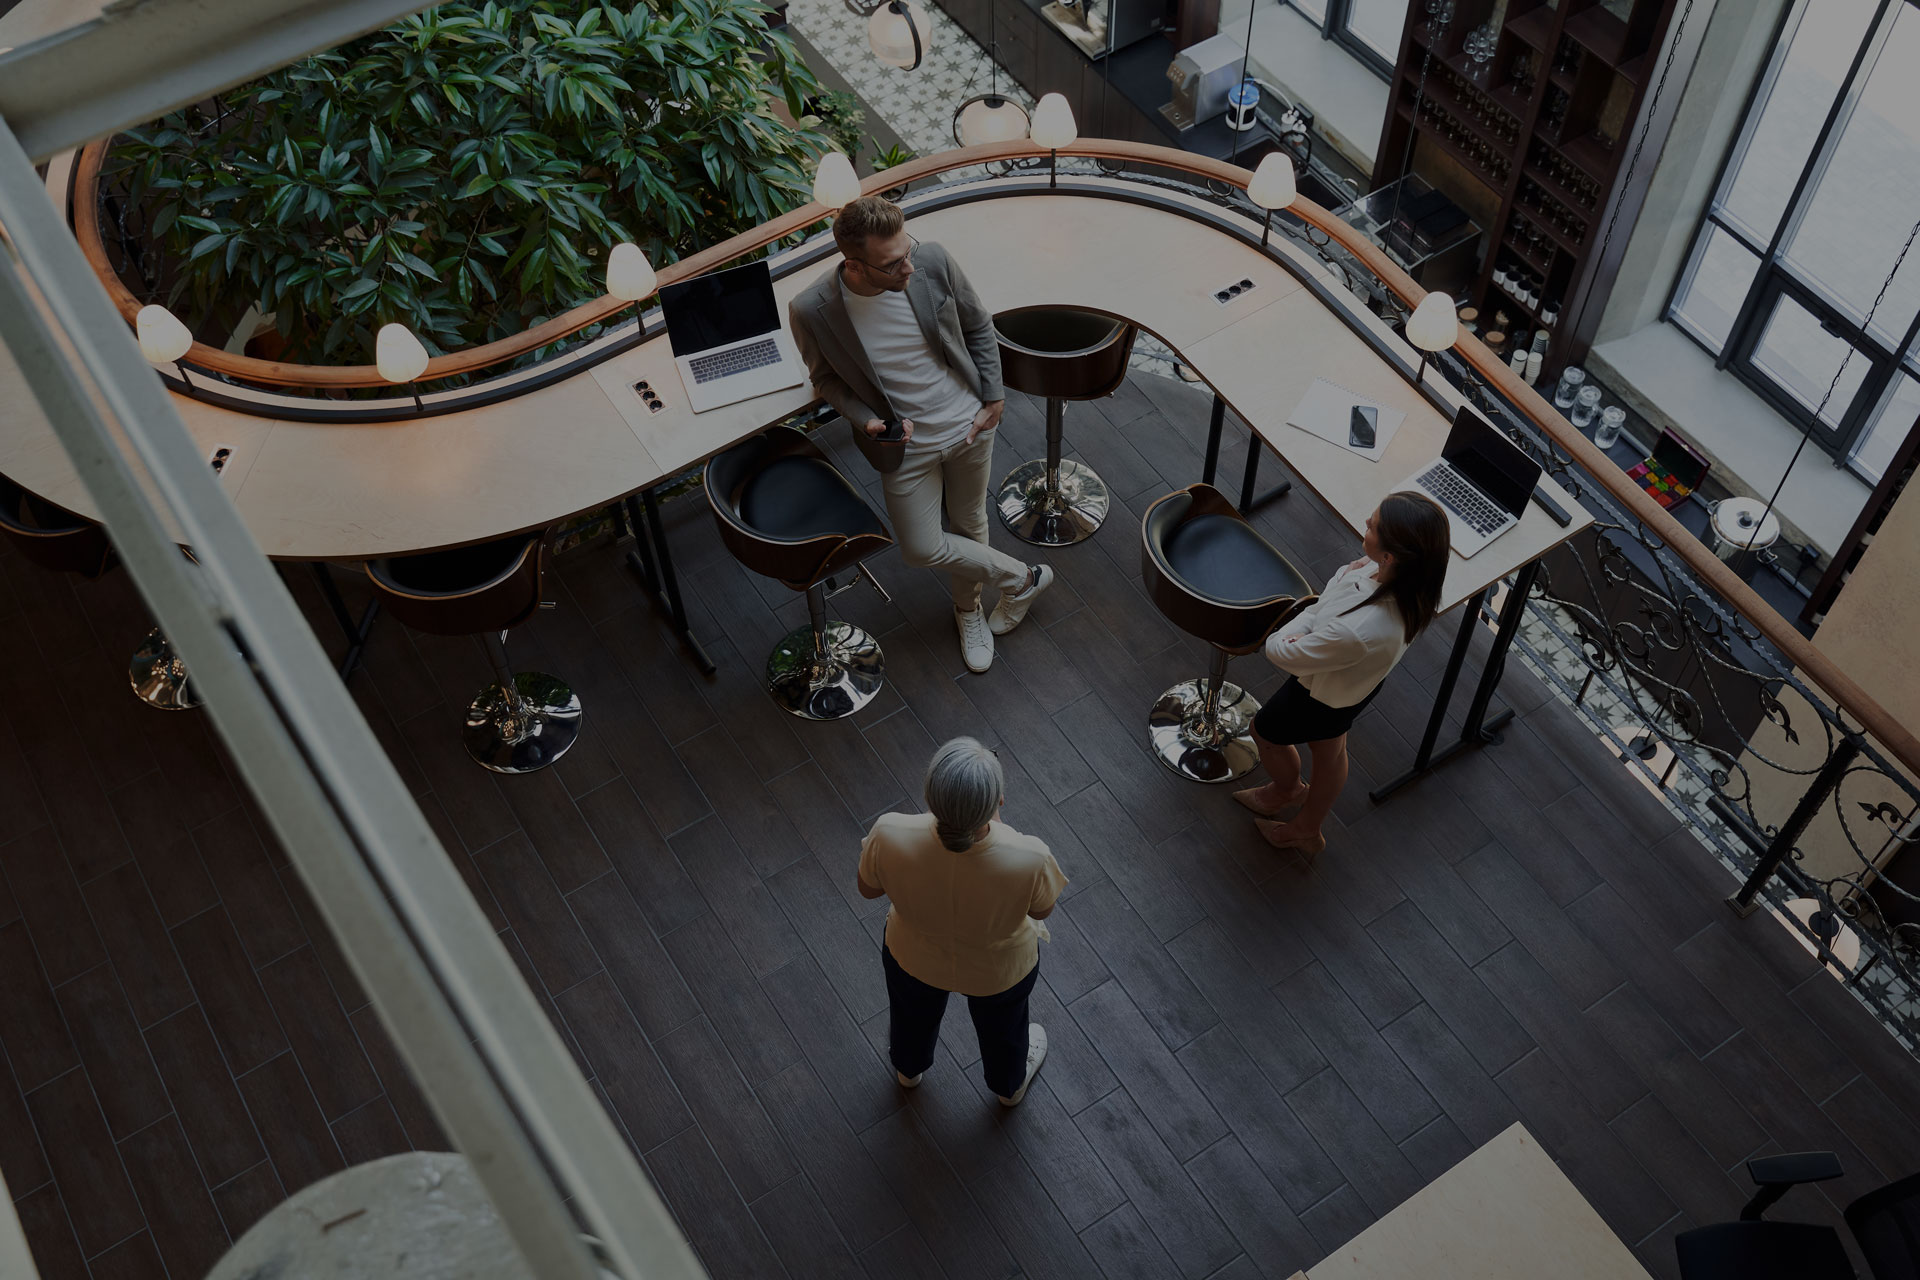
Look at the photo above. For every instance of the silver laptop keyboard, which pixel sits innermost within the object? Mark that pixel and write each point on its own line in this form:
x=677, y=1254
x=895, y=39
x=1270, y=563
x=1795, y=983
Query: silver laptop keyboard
x=1463, y=499
x=758, y=355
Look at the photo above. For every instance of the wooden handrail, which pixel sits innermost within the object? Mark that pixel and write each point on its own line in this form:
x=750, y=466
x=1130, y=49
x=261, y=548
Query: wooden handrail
x=1814, y=665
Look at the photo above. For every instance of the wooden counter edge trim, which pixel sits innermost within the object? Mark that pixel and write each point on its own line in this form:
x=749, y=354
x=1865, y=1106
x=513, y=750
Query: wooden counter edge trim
x=1815, y=665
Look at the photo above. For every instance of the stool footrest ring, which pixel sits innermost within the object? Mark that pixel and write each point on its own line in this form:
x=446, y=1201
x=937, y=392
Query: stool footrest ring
x=1052, y=511
x=510, y=734
x=834, y=677
x=1202, y=739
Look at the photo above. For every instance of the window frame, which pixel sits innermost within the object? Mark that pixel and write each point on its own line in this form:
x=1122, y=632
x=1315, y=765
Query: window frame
x=1336, y=27
x=1776, y=276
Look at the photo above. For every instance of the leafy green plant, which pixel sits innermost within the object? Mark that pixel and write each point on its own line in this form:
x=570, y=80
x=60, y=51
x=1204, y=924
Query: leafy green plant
x=464, y=170
x=841, y=118
x=894, y=156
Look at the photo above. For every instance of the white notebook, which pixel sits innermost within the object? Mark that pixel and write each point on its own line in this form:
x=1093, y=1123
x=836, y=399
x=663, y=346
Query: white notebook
x=1327, y=411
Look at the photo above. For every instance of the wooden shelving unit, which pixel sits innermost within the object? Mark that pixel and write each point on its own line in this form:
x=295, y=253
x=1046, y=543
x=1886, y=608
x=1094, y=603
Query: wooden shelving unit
x=1533, y=144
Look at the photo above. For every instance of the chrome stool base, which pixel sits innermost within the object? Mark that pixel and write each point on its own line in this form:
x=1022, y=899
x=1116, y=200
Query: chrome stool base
x=159, y=678
x=526, y=730
x=1053, y=516
x=1200, y=746
x=842, y=675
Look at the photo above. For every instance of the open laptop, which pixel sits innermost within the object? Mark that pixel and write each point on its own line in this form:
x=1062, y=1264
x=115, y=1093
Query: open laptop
x=1482, y=481
x=728, y=340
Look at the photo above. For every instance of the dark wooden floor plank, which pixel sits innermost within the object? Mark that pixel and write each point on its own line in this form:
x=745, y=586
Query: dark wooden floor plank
x=402, y=1090
x=1540, y=925
x=1447, y=1069
x=1147, y=1069
x=1340, y=1122
x=751, y=815
x=1232, y=905
x=369, y=1132
x=1266, y=1228
x=1365, y=1061
x=1726, y=969
x=1151, y=888
x=736, y=896
x=1450, y=988
x=49, y=1233
x=1263, y=1126
x=1284, y=1053
x=1157, y=1186
x=23, y=1165
x=179, y=1209
x=540, y=917
x=298, y=1139
x=82, y=1155
x=49, y=902
x=112, y=1051
x=802, y=1235
x=1057, y=1153
x=856, y=1075
x=34, y=1036
x=314, y=1022
x=720, y=1227
x=633, y=957
x=1041, y=1241
x=242, y=1019
x=855, y=1192
x=1616, y=929
x=1155, y=982
x=937, y=1204
x=1631, y=1027
x=660, y=885
x=741, y=1135
x=1125, y=1249
x=642, y=1092
x=1539, y=1004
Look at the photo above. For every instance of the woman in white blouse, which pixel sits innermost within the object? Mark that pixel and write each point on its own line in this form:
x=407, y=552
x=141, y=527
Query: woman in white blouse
x=1337, y=652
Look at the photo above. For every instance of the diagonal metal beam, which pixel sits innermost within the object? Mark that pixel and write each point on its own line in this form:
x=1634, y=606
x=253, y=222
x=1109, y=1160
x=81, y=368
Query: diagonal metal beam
x=139, y=59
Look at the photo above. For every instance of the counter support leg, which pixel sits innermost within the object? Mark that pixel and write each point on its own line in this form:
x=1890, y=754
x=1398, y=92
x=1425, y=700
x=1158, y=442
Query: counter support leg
x=356, y=630
x=1423, y=758
x=1248, y=502
x=652, y=560
x=1215, y=422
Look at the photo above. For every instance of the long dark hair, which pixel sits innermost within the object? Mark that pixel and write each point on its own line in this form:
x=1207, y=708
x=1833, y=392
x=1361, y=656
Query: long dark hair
x=1414, y=531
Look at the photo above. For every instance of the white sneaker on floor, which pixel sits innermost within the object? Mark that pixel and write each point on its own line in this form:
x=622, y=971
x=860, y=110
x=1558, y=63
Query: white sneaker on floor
x=1036, y=1054
x=907, y=1081
x=976, y=641
x=1013, y=606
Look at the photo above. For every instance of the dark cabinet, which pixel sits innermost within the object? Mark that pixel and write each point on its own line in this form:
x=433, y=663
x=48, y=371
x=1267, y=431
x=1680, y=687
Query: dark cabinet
x=1020, y=35
x=972, y=15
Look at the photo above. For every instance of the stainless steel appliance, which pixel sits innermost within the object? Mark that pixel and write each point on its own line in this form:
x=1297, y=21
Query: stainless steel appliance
x=1201, y=75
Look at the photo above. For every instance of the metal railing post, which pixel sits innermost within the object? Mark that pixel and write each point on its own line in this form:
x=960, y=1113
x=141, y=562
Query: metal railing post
x=1781, y=849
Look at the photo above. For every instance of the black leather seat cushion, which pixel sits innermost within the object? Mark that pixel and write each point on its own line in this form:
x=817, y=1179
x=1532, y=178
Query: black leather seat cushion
x=1762, y=1251
x=1223, y=559
x=800, y=497
x=453, y=572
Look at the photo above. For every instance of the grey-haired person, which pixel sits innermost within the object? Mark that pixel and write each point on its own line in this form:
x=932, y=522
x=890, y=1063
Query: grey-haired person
x=968, y=893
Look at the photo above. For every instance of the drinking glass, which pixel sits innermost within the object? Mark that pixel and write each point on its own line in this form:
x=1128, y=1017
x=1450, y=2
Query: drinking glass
x=1612, y=419
x=1585, y=404
x=1570, y=379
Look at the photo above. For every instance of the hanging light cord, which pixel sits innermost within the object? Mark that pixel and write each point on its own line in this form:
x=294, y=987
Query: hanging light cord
x=1837, y=375
x=1246, y=57
x=1436, y=32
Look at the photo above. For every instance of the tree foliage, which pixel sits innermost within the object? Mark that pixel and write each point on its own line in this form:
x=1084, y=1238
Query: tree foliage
x=463, y=171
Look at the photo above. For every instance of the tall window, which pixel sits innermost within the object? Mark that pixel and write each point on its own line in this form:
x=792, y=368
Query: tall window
x=1816, y=200
x=1370, y=29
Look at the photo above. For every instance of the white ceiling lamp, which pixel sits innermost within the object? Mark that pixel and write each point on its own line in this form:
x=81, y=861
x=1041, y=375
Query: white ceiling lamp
x=1053, y=128
x=163, y=338
x=1433, y=326
x=835, y=184
x=990, y=116
x=400, y=358
x=630, y=277
x=1272, y=187
x=898, y=32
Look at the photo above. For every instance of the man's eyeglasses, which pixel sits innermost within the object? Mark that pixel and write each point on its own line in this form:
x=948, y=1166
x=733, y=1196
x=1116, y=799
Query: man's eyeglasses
x=898, y=266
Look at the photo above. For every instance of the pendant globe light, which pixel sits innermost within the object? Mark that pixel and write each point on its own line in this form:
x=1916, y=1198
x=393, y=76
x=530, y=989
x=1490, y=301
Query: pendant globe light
x=990, y=116
x=898, y=31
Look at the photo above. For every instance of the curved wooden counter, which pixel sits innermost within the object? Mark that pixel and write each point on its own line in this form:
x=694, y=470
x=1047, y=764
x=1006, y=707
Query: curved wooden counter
x=342, y=491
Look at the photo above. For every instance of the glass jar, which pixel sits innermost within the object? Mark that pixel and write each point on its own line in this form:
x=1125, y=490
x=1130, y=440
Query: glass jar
x=1570, y=379
x=1586, y=403
x=1612, y=419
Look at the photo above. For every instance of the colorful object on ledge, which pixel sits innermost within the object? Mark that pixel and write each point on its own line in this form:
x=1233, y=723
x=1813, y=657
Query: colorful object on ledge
x=1672, y=471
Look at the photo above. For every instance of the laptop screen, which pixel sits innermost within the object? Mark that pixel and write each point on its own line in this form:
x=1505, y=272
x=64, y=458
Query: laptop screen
x=1494, y=464
x=719, y=308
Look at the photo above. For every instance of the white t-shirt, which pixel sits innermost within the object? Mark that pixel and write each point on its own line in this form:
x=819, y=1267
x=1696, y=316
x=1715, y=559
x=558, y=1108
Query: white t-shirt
x=1340, y=656
x=921, y=388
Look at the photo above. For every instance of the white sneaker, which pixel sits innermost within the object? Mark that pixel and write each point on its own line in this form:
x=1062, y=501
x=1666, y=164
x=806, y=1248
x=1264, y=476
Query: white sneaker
x=907, y=1081
x=976, y=641
x=1013, y=606
x=1036, y=1054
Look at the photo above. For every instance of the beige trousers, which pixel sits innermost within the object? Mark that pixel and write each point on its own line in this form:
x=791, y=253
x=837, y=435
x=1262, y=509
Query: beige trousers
x=955, y=476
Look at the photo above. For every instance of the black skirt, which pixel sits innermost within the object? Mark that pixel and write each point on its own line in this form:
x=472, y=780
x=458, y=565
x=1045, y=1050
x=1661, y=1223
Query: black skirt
x=1293, y=716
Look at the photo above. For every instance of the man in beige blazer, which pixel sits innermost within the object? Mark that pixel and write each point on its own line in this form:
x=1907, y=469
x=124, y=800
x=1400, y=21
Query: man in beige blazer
x=896, y=332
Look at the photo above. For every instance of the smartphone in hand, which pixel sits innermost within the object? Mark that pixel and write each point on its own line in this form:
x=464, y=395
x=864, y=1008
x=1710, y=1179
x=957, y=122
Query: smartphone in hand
x=1362, y=427
x=891, y=430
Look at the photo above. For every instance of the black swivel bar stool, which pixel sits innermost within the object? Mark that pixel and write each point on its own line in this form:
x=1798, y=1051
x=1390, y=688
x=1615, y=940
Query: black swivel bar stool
x=1214, y=577
x=785, y=512
x=55, y=538
x=1062, y=354
x=523, y=721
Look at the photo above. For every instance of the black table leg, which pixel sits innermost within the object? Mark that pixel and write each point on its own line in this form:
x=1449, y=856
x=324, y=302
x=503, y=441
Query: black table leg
x=652, y=560
x=1476, y=730
x=1214, y=425
x=356, y=630
x=1248, y=502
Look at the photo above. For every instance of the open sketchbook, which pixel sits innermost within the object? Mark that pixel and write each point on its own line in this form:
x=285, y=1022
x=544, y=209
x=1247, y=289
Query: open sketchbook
x=1327, y=411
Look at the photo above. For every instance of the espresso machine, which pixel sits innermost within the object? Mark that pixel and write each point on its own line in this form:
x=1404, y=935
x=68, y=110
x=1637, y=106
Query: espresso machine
x=1202, y=74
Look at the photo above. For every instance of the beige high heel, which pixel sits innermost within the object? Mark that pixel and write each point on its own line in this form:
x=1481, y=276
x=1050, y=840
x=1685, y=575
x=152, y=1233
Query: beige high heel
x=1246, y=800
x=1309, y=845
